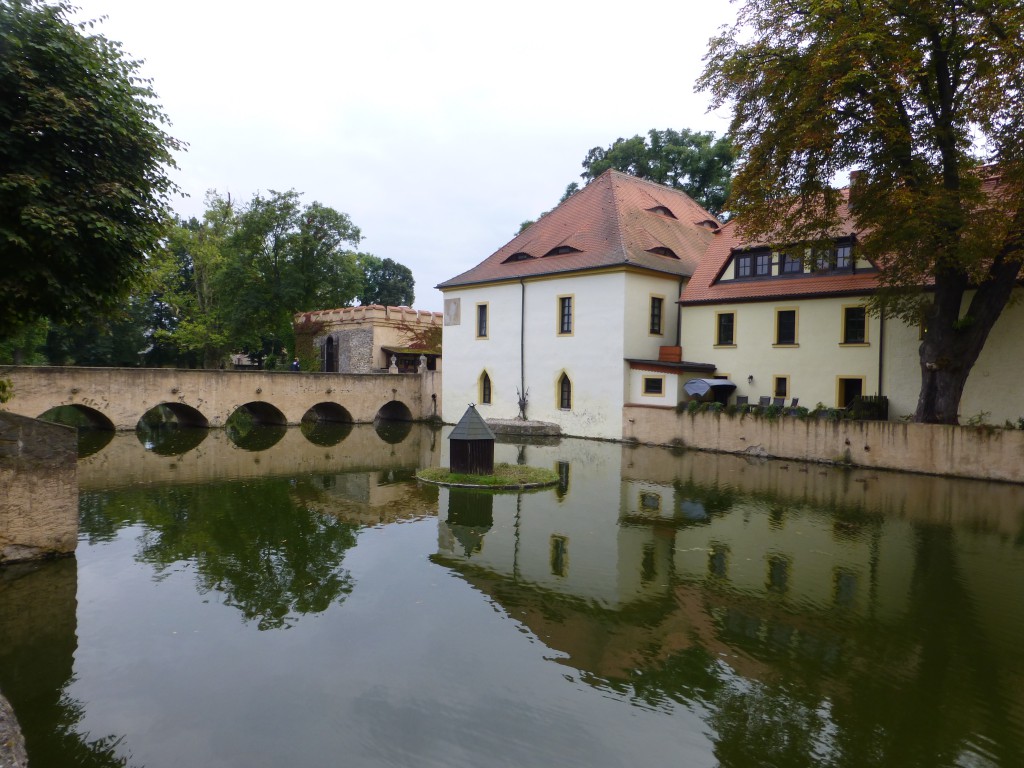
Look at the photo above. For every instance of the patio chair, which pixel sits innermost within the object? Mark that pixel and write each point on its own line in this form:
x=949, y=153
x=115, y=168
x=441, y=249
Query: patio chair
x=779, y=401
x=742, y=400
x=764, y=401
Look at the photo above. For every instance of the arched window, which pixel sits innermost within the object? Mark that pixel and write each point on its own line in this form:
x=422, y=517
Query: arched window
x=564, y=393
x=485, y=388
x=330, y=360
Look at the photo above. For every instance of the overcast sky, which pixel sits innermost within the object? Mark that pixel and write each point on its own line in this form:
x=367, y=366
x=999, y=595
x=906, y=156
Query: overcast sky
x=438, y=127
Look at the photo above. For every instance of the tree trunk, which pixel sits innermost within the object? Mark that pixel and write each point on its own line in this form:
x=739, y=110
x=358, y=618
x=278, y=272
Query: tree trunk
x=953, y=341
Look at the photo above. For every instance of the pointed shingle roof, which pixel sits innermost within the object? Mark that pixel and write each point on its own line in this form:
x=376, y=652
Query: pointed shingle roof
x=471, y=427
x=615, y=220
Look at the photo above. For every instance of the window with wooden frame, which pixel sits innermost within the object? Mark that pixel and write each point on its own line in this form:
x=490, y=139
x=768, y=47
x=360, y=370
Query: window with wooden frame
x=481, y=321
x=656, y=315
x=763, y=263
x=564, y=393
x=565, y=315
x=654, y=386
x=725, y=329
x=743, y=265
x=848, y=389
x=785, y=327
x=780, y=386
x=485, y=388
x=791, y=265
x=855, y=325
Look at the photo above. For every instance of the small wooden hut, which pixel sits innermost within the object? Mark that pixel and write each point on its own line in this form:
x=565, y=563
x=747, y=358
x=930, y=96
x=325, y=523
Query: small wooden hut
x=472, y=445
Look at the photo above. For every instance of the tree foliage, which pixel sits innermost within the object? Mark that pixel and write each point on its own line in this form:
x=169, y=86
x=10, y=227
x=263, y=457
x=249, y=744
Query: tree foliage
x=385, y=282
x=696, y=162
x=83, y=161
x=917, y=95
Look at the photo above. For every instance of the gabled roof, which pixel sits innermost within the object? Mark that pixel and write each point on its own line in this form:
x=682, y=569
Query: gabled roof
x=471, y=427
x=705, y=286
x=615, y=220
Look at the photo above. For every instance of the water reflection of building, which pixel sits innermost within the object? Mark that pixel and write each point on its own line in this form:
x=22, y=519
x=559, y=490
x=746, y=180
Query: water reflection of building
x=374, y=498
x=858, y=594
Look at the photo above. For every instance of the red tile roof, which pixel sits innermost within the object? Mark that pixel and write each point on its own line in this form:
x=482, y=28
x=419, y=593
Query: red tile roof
x=706, y=287
x=607, y=223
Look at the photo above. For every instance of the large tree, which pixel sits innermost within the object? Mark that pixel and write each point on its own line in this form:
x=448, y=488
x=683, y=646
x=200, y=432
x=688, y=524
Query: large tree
x=699, y=163
x=385, y=282
x=83, y=167
x=696, y=162
x=917, y=95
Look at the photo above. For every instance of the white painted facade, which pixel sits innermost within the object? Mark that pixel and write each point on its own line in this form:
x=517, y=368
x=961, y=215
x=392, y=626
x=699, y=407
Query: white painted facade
x=524, y=344
x=815, y=367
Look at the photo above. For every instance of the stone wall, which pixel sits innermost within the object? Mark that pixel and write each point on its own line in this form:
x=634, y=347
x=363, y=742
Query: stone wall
x=984, y=453
x=354, y=350
x=38, y=489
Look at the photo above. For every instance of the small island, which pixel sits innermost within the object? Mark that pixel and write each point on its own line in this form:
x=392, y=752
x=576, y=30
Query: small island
x=506, y=477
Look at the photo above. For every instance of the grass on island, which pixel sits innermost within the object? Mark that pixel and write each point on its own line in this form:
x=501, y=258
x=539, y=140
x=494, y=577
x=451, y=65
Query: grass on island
x=505, y=476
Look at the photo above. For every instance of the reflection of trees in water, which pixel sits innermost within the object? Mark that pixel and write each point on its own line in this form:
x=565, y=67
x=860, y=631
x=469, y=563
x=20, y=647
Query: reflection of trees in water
x=37, y=647
x=255, y=437
x=258, y=543
x=170, y=439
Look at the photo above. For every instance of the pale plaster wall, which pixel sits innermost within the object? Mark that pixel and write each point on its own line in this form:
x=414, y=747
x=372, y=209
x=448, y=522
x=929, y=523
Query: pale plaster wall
x=996, y=384
x=813, y=366
x=592, y=355
x=932, y=449
x=611, y=315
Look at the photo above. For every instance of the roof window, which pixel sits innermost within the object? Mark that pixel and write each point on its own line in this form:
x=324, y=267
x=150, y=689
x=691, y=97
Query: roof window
x=663, y=251
x=517, y=256
x=561, y=249
x=663, y=211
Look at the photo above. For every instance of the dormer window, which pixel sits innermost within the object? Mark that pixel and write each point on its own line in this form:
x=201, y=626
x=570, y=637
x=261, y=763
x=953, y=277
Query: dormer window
x=844, y=255
x=517, y=256
x=663, y=251
x=791, y=265
x=754, y=263
x=663, y=211
x=838, y=259
x=562, y=249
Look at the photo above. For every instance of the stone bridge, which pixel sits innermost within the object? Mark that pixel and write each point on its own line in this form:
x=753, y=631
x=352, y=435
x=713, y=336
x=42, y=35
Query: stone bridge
x=117, y=398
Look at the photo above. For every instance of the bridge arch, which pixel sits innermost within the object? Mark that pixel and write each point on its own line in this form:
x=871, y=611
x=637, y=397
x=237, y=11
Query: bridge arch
x=260, y=412
x=394, y=410
x=95, y=430
x=80, y=416
x=171, y=429
x=179, y=414
x=328, y=411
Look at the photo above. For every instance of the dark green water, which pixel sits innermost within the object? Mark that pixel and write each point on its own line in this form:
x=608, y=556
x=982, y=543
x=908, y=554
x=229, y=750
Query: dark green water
x=301, y=601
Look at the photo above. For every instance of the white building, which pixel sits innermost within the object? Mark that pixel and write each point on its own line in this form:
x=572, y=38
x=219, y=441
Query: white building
x=578, y=313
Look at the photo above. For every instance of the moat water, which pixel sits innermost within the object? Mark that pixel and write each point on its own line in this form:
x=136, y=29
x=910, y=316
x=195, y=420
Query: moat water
x=291, y=598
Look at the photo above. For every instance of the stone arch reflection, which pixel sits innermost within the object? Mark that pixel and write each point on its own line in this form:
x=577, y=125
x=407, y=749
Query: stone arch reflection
x=172, y=429
x=392, y=432
x=256, y=426
x=328, y=411
x=95, y=430
x=325, y=433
